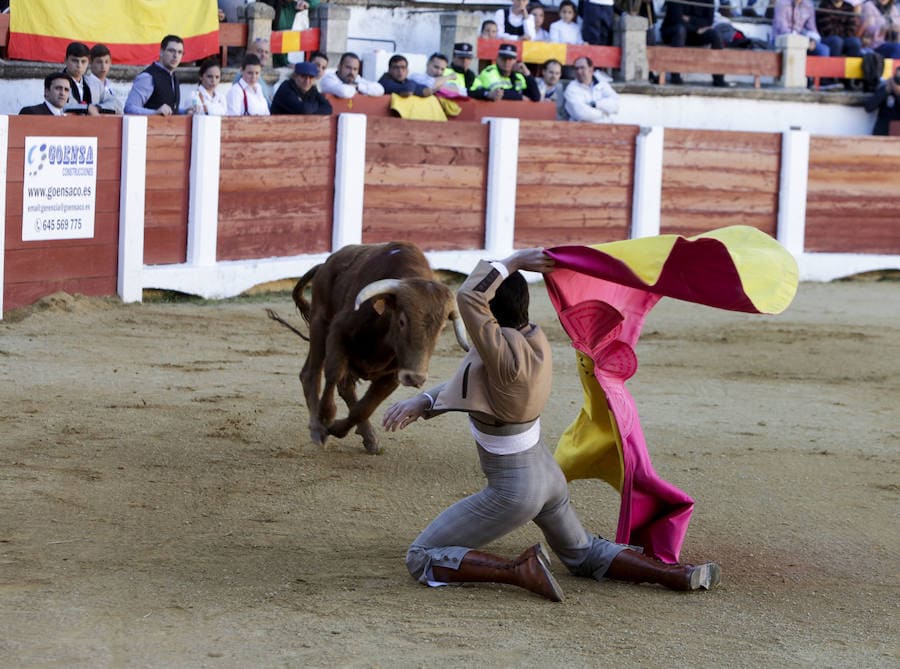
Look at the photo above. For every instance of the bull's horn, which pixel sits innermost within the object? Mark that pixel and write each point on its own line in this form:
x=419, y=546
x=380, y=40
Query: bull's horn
x=376, y=288
x=459, y=328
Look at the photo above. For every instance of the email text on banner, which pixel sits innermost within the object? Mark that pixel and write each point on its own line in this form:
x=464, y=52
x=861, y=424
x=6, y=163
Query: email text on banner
x=60, y=188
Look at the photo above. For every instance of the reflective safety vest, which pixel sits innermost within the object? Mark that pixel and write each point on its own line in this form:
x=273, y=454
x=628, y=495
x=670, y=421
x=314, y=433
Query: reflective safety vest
x=455, y=81
x=490, y=78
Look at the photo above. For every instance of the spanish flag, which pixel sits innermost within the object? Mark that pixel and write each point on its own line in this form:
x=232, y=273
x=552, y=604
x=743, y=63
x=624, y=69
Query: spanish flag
x=602, y=294
x=40, y=30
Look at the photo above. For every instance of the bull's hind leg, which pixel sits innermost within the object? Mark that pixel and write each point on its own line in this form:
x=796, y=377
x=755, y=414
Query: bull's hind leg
x=361, y=410
x=311, y=379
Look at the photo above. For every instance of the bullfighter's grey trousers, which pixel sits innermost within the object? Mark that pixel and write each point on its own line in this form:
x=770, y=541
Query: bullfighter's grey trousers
x=520, y=487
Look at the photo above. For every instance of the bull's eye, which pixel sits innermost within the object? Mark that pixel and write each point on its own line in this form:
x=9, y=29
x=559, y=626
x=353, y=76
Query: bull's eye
x=402, y=321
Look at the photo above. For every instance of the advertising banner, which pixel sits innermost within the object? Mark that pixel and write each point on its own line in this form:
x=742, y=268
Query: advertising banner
x=60, y=188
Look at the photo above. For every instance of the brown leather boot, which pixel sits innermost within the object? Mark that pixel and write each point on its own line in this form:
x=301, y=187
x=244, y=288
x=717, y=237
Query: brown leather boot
x=530, y=570
x=635, y=567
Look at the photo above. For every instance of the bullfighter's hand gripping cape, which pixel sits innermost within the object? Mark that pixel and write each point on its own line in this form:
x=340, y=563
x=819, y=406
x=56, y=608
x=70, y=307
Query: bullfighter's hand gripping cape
x=602, y=294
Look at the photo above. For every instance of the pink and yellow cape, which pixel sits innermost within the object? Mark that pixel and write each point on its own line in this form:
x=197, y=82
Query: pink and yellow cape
x=602, y=294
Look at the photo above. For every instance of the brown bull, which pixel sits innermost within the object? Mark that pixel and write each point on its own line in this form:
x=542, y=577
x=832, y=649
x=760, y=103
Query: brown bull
x=375, y=315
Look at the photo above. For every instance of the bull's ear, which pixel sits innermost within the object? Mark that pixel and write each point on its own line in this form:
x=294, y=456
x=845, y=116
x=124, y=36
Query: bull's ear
x=379, y=305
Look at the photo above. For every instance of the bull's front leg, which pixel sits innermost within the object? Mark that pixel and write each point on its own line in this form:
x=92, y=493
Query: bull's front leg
x=361, y=410
x=311, y=379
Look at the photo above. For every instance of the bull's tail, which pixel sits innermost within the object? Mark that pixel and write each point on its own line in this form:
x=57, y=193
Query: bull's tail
x=275, y=317
x=303, y=306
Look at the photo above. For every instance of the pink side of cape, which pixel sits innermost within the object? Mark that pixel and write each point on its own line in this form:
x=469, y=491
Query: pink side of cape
x=654, y=513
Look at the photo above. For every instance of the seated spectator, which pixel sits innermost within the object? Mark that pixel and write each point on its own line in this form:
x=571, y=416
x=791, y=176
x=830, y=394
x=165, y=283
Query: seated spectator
x=597, y=21
x=56, y=95
x=838, y=25
x=396, y=79
x=436, y=74
x=246, y=97
x=299, y=95
x=566, y=30
x=488, y=29
x=208, y=100
x=346, y=81
x=77, y=62
x=97, y=78
x=589, y=97
x=156, y=90
x=692, y=25
x=549, y=82
x=261, y=49
x=320, y=60
x=880, y=28
x=885, y=99
x=798, y=17
x=462, y=61
x=536, y=9
x=506, y=79
x=514, y=22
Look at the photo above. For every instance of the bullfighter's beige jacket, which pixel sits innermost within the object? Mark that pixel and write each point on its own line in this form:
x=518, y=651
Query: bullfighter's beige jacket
x=506, y=376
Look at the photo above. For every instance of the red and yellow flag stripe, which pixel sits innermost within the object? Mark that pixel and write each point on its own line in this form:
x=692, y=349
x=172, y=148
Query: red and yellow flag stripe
x=40, y=30
x=286, y=41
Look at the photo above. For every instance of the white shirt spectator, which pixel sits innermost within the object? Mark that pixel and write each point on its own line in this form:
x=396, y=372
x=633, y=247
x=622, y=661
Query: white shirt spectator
x=212, y=105
x=244, y=100
x=566, y=33
x=331, y=83
x=594, y=103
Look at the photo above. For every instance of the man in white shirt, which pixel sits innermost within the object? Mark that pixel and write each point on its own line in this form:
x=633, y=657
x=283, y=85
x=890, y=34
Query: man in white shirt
x=597, y=22
x=346, y=82
x=590, y=98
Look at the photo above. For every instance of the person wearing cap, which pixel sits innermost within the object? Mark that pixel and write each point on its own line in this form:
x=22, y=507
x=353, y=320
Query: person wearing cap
x=589, y=97
x=299, y=95
x=461, y=63
x=506, y=79
x=346, y=81
x=514, y=22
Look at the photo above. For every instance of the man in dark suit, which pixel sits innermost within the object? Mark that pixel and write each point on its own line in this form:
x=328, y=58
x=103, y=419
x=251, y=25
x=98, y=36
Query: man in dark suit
x=56, y=95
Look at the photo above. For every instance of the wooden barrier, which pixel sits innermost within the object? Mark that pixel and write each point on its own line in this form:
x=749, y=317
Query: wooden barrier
x=840, y=67
x=714, y=179
x=4, y=34
x=851, y=202
x=425, y=182
x=276, y=183
x=231, y=35
x=665, y=59
x=168, y=183
x=574, y=187
x=34, y=269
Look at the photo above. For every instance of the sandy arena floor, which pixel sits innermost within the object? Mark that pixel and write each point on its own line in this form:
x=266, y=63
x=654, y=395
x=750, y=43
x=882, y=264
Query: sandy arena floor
x=161, y=504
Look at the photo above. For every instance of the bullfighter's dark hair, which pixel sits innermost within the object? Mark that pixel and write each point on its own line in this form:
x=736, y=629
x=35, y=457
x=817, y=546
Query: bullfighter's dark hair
x=510, y=303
